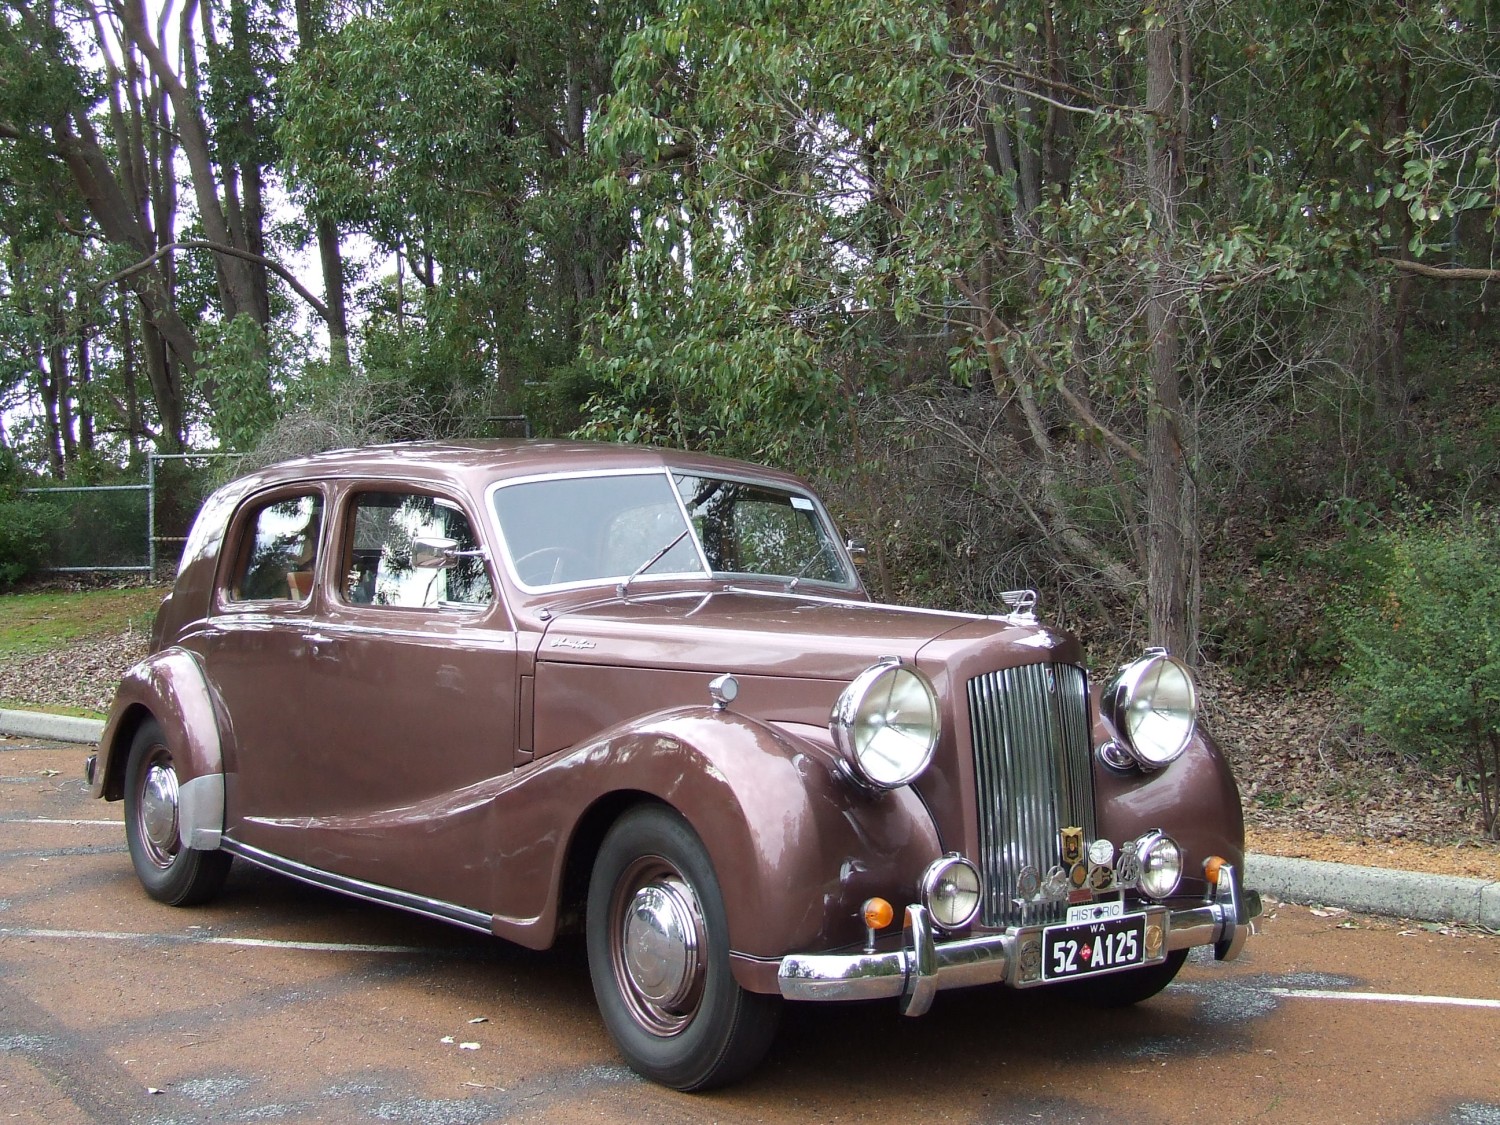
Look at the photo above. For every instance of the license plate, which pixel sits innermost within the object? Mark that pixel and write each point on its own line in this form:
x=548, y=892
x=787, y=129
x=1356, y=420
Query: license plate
x=1093, y=947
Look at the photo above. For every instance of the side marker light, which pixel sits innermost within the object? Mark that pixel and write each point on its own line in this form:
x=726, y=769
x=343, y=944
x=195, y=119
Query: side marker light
x=878, y=913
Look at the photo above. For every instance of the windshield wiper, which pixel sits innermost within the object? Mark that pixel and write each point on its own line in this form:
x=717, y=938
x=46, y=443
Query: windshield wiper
x=819, y=555
x=624, y=587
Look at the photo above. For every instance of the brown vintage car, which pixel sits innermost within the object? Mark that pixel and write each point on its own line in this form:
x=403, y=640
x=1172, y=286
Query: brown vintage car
x=526, y=686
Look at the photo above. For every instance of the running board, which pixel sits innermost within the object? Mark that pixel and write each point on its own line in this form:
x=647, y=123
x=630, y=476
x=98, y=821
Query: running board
x=358, y=888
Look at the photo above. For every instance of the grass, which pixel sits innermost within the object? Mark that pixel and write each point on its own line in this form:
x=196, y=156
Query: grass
x=51, y=709
x=40, y=620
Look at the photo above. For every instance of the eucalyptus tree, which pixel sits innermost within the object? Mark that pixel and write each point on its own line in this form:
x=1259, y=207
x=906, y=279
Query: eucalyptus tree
x=161, y=121
x=454, y=138
x=54, y=135
x=1114, y=222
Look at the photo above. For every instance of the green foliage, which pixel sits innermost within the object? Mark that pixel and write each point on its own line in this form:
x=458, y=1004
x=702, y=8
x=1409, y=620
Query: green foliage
x=453, y=134
x=95, y=529
x=235, y=366
x=1424, y=653
x=27, y=529
x=1273, y=618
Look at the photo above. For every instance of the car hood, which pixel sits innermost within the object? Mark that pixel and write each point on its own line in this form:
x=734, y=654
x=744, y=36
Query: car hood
x=748, y=632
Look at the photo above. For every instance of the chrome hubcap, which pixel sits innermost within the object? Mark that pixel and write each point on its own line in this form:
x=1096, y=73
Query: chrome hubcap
x=659, y=948
x=661, y=944
x=158, y=816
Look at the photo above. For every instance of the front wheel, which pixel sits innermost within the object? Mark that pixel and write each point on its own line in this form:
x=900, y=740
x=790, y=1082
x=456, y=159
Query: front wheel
x=658, y=948
x=170, y=871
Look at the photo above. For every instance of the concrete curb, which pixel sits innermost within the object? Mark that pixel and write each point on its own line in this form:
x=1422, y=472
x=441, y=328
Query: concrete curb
x=1376, y=890
x=1369, y=890
x=58, y=728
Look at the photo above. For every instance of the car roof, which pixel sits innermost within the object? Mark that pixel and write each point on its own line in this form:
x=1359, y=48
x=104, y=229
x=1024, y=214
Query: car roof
x=480, y=462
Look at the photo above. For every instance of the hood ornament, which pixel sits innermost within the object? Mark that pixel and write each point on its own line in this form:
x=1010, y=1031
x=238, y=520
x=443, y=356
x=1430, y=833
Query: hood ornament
x=1022, y=605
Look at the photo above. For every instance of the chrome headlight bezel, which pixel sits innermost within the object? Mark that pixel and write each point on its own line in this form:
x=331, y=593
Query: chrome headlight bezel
x=898, y=702
x=944, y=876
x=1152, y=704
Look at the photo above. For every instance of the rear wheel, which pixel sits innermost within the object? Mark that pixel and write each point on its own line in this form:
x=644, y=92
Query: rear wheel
x=170, y=871
x=1121, y=990
x=658, y=949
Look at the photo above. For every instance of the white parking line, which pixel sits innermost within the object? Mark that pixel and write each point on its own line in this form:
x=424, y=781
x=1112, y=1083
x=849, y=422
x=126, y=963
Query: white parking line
x=352, y=947
x=57, y=820
x=1385, y=997
x=208, y=939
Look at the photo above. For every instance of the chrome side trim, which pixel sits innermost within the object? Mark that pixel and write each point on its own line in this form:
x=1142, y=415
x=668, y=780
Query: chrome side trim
x=358, y=888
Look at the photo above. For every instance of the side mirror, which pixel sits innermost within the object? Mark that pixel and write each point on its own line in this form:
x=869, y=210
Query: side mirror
x=857, y=551
x=433, y=553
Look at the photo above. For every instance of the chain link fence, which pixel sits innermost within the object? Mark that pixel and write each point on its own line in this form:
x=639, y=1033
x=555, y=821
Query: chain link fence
x=131, y=528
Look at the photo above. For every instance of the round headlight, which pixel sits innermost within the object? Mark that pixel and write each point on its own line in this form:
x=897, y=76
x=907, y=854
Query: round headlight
x=886, y=725
x=1161, y=864
x=950, y=891
x=1153, y=705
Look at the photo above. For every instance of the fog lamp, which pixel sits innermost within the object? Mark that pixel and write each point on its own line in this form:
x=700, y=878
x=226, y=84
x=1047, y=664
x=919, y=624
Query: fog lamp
x=1161, y=864
x=950, y=891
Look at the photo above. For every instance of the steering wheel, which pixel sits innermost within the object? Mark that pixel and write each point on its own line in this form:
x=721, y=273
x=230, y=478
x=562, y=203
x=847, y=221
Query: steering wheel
x=539, y=575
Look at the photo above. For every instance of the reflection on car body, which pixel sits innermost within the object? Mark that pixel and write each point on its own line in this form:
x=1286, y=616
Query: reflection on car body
x=520, y=686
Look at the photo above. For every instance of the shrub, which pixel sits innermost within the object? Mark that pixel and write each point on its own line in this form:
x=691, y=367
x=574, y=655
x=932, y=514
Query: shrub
x=28, y=531
x=1424, y=652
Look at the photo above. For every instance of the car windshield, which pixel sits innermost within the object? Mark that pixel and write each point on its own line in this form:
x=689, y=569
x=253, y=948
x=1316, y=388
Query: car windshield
x=632, y=526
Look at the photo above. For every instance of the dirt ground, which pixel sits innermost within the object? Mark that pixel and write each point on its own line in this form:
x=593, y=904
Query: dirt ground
x=1473, y=860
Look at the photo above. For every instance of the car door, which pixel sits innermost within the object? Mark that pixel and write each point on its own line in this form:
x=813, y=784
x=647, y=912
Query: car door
x=412, y=688
x=256, y=649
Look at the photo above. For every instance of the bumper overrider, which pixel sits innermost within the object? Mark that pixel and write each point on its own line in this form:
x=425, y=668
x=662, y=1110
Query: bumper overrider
x=924, y=964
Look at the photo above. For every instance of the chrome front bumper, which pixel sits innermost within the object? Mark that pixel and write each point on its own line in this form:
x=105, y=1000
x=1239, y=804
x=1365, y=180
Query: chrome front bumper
x=924, y=965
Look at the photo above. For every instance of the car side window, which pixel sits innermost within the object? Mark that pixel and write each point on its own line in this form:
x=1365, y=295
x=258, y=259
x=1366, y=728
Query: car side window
x=411, y=550
x=280, y=552
x=776, y=533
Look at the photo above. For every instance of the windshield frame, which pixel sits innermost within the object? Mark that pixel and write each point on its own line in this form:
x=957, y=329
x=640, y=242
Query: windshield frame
x=824, y=524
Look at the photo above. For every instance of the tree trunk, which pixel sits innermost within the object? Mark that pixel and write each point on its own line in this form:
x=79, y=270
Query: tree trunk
x=236, y=279
x=83, y=405
x=135, y=429
x=1171, y=493
x=330, y=254
x=62, y=391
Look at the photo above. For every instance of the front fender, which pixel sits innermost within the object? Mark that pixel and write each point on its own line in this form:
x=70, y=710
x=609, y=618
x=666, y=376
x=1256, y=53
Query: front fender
x=1194, y=800
x=796, y=849
x=170, y=687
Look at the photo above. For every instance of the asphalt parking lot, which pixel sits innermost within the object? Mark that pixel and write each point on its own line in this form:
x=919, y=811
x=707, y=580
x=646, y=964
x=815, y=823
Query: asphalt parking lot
x=283, y=1003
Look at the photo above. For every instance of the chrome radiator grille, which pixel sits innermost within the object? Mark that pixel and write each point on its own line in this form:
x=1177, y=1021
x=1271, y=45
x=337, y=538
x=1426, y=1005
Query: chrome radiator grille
x=1030, y=729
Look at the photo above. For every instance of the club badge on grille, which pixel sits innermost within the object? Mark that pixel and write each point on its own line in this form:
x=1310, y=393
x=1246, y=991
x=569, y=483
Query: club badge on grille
x=1072, y=846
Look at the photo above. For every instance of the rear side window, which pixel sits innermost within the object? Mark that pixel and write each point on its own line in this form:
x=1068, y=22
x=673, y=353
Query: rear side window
x=411, y=551
x=280, y=552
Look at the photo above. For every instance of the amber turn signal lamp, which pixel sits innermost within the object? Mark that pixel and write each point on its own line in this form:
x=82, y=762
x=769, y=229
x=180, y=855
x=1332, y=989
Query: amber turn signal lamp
x=878, y=913
x=1211, y=867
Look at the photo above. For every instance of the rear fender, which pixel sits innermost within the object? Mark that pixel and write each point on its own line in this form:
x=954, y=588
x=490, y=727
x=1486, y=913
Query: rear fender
x=796, y=848
x=170, y=687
